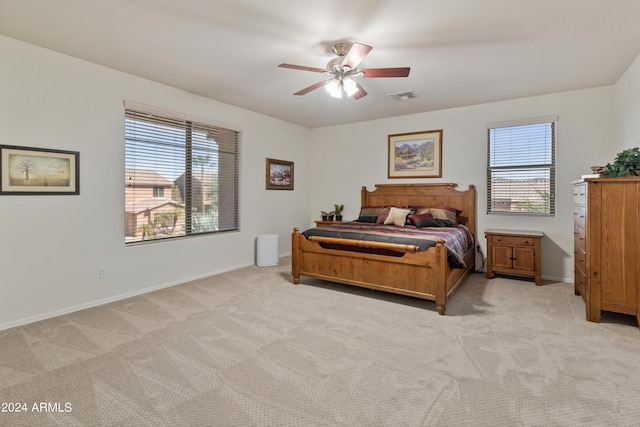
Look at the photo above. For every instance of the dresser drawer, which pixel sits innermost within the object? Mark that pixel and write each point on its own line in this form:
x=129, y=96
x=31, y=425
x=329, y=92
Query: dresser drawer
x=580, y=281
x=580, y=215
x=579, y=236
x=512, y=240
x=580, y=261
x=580, y=194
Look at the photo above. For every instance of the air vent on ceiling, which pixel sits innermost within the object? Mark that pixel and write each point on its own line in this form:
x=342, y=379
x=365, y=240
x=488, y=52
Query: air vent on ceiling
x=403, y=96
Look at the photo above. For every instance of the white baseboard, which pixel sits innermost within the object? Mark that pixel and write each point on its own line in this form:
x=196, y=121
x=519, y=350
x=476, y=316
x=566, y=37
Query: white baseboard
x=91, y=304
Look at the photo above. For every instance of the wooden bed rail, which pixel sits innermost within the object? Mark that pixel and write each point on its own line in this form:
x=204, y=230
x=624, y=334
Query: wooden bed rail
x=366, y=244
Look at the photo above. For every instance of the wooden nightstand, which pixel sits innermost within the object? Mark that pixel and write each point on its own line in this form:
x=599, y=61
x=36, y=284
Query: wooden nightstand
x=514, y=252
x=325, y=223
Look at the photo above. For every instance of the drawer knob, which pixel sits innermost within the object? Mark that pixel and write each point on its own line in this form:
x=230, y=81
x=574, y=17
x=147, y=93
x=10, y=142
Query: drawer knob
x=526, y=242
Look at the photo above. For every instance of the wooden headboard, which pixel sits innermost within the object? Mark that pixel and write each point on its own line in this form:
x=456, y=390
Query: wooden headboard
x=428, y=195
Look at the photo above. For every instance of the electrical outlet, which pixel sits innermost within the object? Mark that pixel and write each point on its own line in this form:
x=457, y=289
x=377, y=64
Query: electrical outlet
x=478, y=248
x=103, y=272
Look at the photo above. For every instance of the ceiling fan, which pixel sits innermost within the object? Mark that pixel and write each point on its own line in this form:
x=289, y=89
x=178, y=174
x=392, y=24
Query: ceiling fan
x=340, y=71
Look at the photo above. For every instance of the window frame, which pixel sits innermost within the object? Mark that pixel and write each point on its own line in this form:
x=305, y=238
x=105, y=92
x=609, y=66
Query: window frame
x=528, y=169
x=158, y=191
x=195, y=134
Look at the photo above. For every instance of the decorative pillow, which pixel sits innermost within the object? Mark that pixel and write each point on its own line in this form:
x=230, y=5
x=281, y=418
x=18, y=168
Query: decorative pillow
x=397, y=216
x=412, y=212
x=426, y=220
x=447, y=214
x=442, y=217
x=442, y=213
x=422, y=220
x=383, y=213
x=369, y=214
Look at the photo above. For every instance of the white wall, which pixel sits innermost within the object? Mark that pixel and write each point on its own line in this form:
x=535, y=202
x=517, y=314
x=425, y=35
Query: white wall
x=347, y=157
x=52, y=246
x=626, y=111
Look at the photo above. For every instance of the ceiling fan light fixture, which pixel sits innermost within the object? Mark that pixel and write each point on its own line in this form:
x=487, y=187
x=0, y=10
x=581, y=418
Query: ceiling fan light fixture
x=334, y=87
x=340, y=71
x=349, y=86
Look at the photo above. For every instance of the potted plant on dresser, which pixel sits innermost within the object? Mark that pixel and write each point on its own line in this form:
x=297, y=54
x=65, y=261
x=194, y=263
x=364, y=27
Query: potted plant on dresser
x=626, y=163
x=337, y=209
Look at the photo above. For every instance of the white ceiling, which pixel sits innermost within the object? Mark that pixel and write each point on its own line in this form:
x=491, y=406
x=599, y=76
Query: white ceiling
x=461, y=52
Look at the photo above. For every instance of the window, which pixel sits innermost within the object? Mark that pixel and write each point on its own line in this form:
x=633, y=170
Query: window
x=158, y=191
x=521, y=167
x=181, y=176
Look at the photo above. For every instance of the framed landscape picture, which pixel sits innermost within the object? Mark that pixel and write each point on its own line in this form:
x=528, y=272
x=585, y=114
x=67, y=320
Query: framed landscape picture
x=26, y=170
x=279, y=175
x=415, y=155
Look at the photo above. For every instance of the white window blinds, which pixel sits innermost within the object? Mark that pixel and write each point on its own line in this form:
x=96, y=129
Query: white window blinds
x=181, y=177
x=521, y=167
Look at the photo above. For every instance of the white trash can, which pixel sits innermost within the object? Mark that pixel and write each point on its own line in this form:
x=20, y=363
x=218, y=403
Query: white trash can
x=267, y=248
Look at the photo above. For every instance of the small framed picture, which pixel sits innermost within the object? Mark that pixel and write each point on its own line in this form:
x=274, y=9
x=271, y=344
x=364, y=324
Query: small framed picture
x=27, y=171
x=279, y=175
x=415, y=155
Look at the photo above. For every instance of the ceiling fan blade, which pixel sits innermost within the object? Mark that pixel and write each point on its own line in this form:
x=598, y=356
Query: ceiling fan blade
x=356, y=54
x=310, y=88
x=360, y=93
x=303, y=68
x=386, y=72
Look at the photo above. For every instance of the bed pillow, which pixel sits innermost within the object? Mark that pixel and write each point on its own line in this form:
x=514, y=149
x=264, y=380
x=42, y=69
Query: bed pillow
x=423, y=220
x=446, y=214
x=397, y=216
x=412, y=212
x=442, y=216
x=426, y=220
x=369, y=214
x=383, y=213
x=450, y=215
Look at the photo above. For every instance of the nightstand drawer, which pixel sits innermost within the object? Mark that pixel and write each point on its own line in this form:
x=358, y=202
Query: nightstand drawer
x=512, y=240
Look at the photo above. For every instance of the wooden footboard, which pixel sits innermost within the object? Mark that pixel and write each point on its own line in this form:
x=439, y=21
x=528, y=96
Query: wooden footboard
x=424, y=275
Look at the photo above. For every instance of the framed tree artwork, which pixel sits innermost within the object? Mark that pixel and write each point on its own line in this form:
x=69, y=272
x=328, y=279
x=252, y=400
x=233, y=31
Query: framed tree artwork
x=415, y=155
x=30, y=171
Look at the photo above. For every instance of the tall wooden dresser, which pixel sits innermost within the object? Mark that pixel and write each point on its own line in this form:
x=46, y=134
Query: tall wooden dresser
x=607, y=245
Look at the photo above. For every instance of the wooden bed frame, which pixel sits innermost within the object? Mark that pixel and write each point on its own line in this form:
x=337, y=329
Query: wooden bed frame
x=424, y=275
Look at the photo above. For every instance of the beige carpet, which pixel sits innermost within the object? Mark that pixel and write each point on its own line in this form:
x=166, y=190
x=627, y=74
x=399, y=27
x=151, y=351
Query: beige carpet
x=248, y=348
